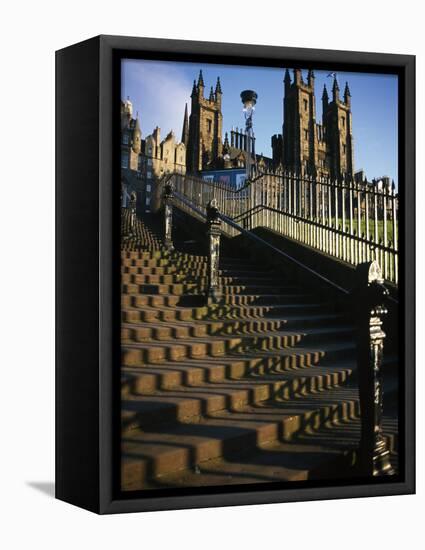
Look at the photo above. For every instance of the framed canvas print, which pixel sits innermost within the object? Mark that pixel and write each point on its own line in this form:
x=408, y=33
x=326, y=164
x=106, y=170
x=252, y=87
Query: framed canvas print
x=235, y=274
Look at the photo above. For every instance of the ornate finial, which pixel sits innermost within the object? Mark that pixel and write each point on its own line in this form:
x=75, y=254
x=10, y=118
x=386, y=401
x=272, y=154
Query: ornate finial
x=325, y=96
x=194, y=88
x=201, y=79
x=310, y=77
x=218, y=86
x=347, y=94
x=287, y=79
x=335, y=86
x=212, y=98
x=347, y=90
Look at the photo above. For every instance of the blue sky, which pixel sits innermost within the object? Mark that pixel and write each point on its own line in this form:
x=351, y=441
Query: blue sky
x=160, y=89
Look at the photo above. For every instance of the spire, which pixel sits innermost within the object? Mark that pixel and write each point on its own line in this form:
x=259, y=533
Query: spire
x=287, y=79
x=185, y=131
x=212, y=98
x=194, y=89
x=347, y=94
x=310, y=77
x=218, y=86
x=325, y=97
x=335, y=89
x=201, y=79
x=226, y=146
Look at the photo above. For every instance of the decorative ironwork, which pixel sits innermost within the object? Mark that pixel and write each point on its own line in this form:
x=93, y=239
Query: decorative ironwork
x=132, y=207
x=168, y=215
x=213, y=233
x=353, y=222
x=369, y=299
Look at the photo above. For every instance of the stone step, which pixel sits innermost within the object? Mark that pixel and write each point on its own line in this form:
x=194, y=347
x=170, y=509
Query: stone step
x=154, y=452
x=161, y=254
x=158, y=352
x=273, y=331
x=166, y=330
x=170, y=312
x=191, y=372
x=183, y=259
x=241, y=292
x=135, y=300
x=171, y=268
x=200, y=279
x=193, y=404
x=159, y=309
x=328, y=453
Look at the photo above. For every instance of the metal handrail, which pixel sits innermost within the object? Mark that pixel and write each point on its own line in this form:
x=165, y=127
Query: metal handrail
x=261, y=241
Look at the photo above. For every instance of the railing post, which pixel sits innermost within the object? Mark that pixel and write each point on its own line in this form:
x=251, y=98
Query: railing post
x=132, y=207
x=168, y=216
x=369, y=299
x=213, y=233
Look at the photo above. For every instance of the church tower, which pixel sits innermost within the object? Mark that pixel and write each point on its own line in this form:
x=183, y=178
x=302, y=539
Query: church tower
x=300, y=147
x=204, y=140
x=337, y=124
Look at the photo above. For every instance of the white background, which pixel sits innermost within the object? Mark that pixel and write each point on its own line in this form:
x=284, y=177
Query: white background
x=30, y=32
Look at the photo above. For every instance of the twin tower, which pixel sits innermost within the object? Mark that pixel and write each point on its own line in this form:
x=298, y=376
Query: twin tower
x=304, y=146
x=309, y=147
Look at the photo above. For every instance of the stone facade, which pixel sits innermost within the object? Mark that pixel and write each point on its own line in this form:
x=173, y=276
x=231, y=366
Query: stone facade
x=144, y=161
x=205, y=128
x=131, y=137
x=158, y=159
x=203, y=135
x=305, y=145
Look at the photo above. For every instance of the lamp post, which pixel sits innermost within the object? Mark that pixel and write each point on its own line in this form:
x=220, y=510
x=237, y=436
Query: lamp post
x=249, y=99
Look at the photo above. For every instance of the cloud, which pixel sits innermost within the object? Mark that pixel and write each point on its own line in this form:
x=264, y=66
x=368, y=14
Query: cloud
x=159, y=91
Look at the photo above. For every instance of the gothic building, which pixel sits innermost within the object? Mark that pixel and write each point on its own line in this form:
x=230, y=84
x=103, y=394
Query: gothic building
x=144, y=161
x=159, y=158
x=307, y=146
x=131, y=137
x=203, y=134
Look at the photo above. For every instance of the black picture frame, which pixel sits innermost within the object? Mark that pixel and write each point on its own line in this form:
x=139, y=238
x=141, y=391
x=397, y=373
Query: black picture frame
x=87, y=301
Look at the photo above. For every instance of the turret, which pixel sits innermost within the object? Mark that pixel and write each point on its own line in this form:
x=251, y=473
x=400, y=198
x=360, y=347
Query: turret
x=298, y=78
x=325, y=98
x=194, y=90
x=185, y=130
x=201, y=84
x=287, y=80
x=137, y=136
x=218, y=92
x=347, y=95
x=335, y=90
x=310, y=78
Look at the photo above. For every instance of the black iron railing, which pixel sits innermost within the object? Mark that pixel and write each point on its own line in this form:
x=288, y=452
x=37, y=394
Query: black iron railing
x=368, y=307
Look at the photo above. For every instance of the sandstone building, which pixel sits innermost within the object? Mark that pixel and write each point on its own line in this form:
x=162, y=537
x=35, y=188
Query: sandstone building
x=307, y=146
x=143, y=161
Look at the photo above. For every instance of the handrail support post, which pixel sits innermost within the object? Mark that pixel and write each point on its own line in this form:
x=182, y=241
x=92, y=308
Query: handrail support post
x=369, y=298
x=168, y=216
x=213, y=234
x=132, y=207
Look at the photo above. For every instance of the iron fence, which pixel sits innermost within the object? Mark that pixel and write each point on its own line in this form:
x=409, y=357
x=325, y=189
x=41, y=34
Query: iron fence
x=353, y=222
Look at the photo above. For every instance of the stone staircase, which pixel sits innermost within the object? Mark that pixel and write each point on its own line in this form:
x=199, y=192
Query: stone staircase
x=259, y=387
